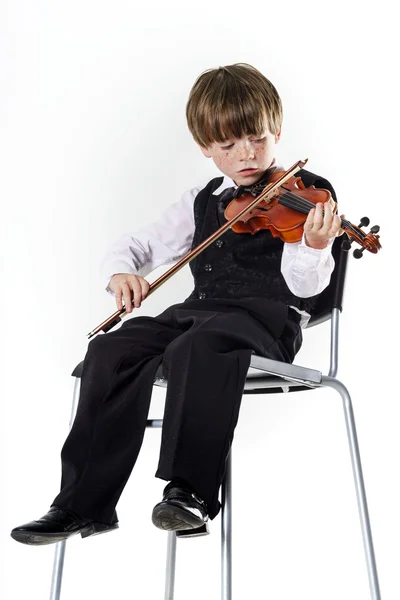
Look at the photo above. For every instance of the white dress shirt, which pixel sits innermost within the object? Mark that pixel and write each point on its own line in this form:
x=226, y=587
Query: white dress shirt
x=306, y=270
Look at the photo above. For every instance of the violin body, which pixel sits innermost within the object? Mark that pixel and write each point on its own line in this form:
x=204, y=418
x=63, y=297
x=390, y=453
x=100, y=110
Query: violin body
x=283, y=222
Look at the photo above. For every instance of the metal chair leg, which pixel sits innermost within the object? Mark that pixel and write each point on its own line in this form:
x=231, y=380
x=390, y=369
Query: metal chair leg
x=58, y=564
x=170, y=570
x=171, y=544
x=226, y=532
x=359, y=483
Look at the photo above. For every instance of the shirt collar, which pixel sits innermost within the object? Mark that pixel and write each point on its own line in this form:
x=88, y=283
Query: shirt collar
x=227, y=182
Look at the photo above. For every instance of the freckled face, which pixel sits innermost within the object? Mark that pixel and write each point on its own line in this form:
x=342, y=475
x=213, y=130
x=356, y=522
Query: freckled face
x=234, y=156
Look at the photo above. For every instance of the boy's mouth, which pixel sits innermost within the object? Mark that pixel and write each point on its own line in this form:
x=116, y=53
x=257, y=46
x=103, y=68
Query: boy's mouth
x=247, y=171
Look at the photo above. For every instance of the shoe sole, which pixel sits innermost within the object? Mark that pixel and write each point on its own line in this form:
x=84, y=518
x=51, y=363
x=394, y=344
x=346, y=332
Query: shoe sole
x=34, y=539
x=174, y=518
x=191, y=533
x=97, y=529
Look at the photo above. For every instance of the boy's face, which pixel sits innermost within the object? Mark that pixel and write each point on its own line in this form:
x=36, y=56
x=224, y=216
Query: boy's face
x=246, y=159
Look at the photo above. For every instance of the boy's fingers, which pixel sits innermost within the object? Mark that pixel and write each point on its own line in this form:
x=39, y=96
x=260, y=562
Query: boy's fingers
x=130, y=291
x=126, y=290
x=318, y=216
x=322, y=220
x=328, y=216
x=335, y=227
x=145, y=287
x=118, y=298
x=310, y=219
x=137, y=291
x=341, y=230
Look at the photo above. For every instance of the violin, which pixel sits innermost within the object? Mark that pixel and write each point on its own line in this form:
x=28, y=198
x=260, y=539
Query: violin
x=282, y=207
x=285, y=212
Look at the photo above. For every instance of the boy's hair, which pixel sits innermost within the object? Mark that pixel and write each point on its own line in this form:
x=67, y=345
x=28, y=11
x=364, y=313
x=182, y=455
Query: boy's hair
x=231, y=102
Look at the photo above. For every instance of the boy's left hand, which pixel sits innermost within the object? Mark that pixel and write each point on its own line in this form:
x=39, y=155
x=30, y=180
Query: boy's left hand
x=322, y=225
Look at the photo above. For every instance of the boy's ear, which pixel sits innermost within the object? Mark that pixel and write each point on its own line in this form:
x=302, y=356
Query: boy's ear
x=205, y=151
x=278, y=136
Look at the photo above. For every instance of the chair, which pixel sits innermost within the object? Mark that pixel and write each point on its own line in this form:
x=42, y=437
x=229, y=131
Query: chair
x=270, y=376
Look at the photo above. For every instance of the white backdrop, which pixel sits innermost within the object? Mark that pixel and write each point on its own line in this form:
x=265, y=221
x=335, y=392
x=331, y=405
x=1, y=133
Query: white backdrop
x=94, y=143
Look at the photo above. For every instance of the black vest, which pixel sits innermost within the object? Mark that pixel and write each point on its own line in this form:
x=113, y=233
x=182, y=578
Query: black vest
x=241, y=265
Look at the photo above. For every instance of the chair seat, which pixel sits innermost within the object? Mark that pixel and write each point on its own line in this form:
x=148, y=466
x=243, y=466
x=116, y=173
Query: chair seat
x=264, y=376
x=268, y=376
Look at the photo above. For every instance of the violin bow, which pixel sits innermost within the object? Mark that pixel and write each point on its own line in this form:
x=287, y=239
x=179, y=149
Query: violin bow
x=268, y=192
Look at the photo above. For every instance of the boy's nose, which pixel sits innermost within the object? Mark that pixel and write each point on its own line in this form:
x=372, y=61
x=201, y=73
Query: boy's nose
x=246, y=151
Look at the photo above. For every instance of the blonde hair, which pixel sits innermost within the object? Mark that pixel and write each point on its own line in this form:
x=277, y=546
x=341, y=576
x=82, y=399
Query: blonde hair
x=230, y=102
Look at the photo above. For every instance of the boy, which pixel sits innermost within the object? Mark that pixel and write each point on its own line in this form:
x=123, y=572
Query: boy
x=252, y=293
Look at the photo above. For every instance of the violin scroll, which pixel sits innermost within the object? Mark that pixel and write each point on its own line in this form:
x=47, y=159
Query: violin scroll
x=368, y=241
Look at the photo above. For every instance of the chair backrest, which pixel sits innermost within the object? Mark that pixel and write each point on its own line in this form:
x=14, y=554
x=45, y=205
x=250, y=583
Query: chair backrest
x=332, y=296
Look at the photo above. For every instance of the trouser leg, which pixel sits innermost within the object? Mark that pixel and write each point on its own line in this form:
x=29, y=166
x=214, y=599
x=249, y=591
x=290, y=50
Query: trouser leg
x=206, y=368
x=107, y=433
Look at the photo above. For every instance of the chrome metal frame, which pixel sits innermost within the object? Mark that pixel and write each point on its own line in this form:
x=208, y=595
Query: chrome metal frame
x=266, y=373
x=58, y=564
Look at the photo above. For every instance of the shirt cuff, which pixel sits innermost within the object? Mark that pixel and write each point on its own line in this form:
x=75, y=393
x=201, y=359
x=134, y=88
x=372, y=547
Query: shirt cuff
x=306, y=270
x=118, y=267
x=305, y=250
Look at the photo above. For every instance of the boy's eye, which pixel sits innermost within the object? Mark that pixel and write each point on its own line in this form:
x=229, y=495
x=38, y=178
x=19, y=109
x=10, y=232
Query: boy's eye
x=231, y=145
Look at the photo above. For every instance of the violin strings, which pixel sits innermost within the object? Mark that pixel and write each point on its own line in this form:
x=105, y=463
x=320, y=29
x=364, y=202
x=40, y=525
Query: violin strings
x=297, y=202
x=303, y=205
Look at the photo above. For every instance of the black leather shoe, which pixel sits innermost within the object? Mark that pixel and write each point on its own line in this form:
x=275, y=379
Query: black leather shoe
x=57, y=525
x=180, y=509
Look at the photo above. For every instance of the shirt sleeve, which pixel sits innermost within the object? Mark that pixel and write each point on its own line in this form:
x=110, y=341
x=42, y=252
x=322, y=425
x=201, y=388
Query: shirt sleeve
x=164, y=241
x=307, y=271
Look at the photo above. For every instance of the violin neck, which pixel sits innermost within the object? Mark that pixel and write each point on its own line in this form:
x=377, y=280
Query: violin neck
x=304, y=206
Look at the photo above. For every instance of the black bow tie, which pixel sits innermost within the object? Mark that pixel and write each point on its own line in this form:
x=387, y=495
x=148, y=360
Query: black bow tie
x=256, y=188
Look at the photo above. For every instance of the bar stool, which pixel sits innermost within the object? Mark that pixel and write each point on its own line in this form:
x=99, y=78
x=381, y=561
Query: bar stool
x=267, y=376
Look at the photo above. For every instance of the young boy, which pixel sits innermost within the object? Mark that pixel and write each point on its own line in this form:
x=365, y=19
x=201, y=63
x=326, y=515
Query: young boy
x=252, y=293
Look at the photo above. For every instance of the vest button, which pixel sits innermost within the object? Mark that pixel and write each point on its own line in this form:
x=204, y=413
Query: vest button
x=219, y=243
x=207, y=267
x=202, y=295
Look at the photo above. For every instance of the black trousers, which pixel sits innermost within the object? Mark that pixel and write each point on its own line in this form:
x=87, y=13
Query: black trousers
x=205, y=348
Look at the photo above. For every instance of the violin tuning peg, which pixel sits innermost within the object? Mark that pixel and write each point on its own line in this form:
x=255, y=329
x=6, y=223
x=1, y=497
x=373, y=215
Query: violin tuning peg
x=375, y=229
x=364, y=222
x=346, y=245
x=358, y=252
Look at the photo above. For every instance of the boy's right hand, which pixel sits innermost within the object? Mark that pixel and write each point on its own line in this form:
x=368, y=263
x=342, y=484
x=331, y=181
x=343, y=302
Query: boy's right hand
x=128, y=286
